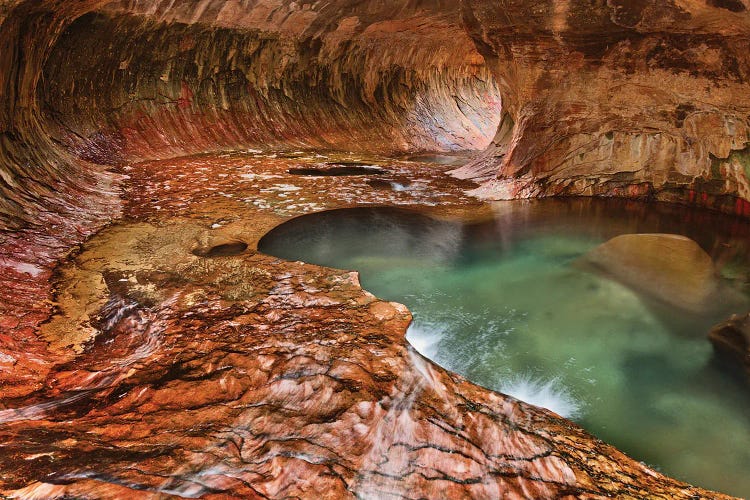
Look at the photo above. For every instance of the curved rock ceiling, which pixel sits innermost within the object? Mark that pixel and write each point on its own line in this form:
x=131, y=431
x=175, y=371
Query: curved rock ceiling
x=622, y=98
x=91, y=82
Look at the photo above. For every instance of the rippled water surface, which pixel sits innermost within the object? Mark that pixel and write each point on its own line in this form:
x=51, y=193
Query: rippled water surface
x=504, y=303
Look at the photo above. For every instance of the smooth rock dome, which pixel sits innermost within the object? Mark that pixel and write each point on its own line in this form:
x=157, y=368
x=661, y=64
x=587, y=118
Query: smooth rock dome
x=669, y=267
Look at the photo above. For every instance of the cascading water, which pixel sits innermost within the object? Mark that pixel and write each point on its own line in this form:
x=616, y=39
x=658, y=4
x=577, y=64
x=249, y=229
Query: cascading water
x=507, y=304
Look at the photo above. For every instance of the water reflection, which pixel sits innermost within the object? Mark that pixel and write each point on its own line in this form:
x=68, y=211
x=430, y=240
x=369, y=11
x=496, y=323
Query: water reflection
x=390, y=234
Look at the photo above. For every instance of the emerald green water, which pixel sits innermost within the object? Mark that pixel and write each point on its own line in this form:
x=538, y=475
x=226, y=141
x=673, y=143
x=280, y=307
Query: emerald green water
x=504, y=303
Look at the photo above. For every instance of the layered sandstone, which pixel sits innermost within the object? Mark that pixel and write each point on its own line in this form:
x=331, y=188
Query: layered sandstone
x=182, y=372
x=645, y=99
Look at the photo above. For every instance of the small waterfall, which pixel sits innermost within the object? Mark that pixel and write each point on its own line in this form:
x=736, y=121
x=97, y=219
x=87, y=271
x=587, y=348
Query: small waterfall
x=394, y=461
x=550, y=394
x=389, y=457
x=425, y=338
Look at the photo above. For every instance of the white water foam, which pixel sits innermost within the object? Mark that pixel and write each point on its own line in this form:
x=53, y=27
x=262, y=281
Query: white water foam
x=550, y=394
x=425, y=338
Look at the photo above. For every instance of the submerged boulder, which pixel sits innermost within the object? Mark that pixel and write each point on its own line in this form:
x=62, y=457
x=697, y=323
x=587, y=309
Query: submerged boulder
x=731, y=340
x=667, y=267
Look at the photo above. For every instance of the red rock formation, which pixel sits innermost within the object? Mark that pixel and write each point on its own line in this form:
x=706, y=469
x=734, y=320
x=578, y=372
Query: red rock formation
x=165, y=372
x=644, y=99
x=251, y=377
x=227, y=75
x=87, y=85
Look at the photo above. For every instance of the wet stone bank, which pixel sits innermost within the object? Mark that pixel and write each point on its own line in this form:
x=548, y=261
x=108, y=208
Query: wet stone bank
x=182, y=363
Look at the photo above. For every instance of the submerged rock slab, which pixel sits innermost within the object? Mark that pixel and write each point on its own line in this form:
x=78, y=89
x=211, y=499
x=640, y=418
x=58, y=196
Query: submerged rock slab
x=731, y=340
x=669, y=267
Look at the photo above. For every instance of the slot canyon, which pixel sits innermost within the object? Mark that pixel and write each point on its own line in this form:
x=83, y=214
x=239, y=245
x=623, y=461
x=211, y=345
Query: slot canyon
x=169, y=169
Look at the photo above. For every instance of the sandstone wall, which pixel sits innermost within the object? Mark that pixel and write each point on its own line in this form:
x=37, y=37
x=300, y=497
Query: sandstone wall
x=94, y=83
x=644, y=99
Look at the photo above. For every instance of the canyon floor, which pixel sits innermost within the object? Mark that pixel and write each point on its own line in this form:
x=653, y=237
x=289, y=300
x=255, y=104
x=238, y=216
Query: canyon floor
x=172, y=359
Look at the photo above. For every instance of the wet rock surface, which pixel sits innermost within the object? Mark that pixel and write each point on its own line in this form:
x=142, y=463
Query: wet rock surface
x=138, y=368
x=238, y=376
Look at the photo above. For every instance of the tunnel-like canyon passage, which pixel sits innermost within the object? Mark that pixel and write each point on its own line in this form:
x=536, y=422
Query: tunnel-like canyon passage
x=148, y=349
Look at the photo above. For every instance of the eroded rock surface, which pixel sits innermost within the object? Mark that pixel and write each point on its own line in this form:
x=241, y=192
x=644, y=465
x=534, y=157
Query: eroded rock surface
x=152, y=371
x=245, y=376
x=645, y=99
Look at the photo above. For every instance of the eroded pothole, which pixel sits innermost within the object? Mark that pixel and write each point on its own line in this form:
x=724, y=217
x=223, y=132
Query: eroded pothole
x=338, y=169
x=223, y=250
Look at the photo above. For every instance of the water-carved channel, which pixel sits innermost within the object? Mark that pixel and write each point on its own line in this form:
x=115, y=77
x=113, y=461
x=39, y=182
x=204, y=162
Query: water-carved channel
x=529, y=304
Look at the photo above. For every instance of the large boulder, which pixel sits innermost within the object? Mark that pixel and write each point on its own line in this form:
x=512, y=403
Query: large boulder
x=667, y=267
